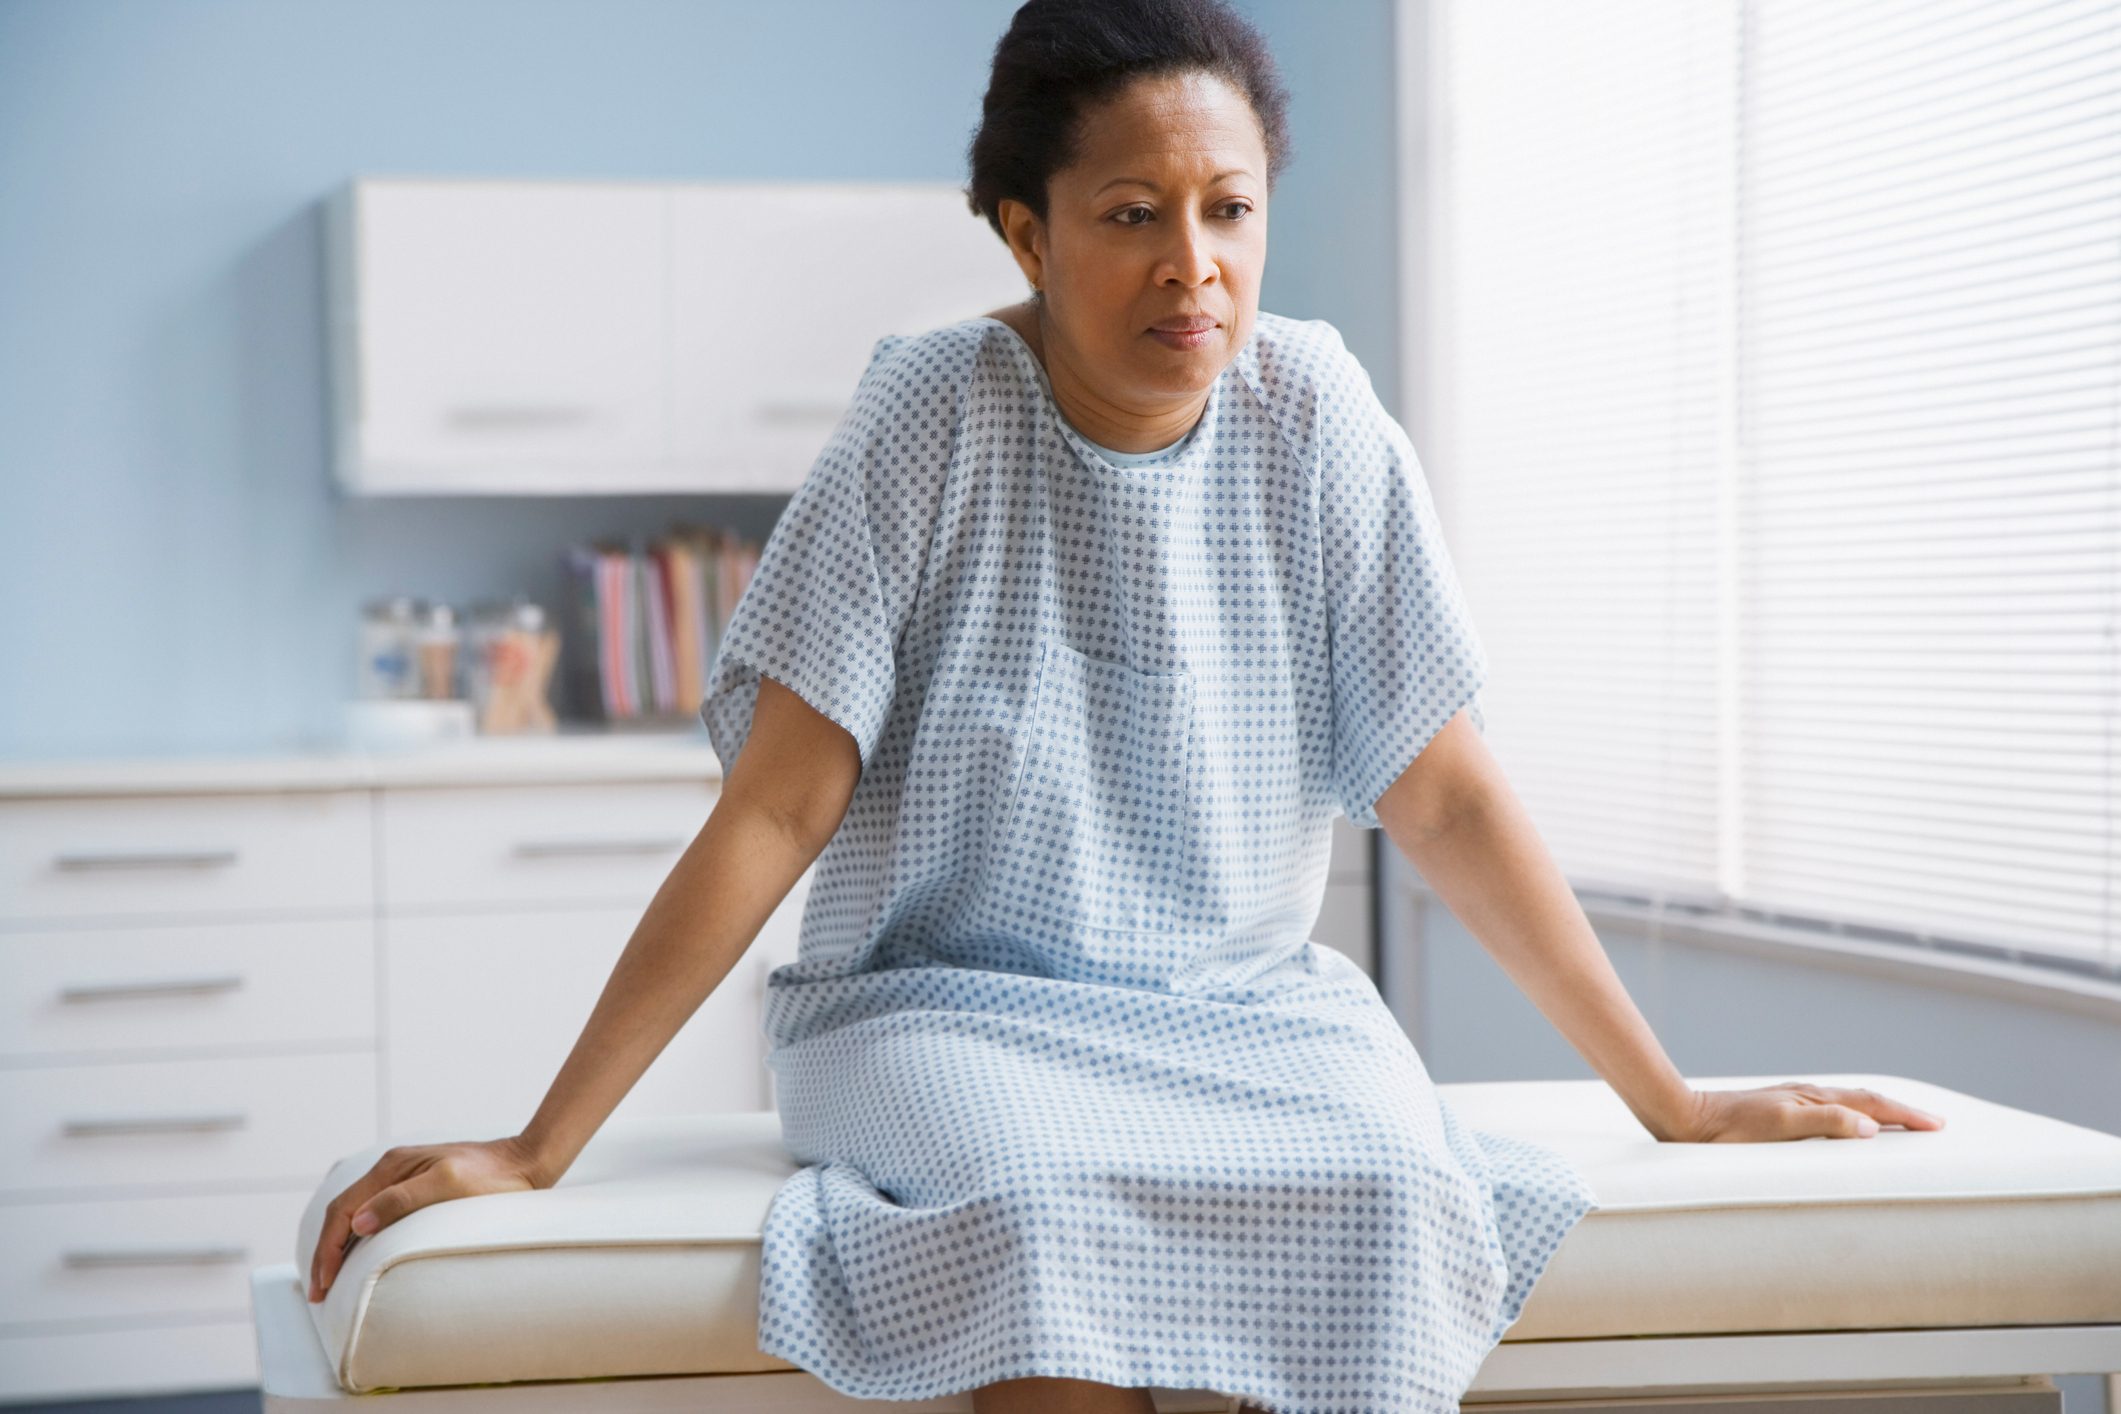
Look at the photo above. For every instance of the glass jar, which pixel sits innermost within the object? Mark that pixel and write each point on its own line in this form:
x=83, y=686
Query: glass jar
x=435, y=641
x=512, y=651
x=386, y=666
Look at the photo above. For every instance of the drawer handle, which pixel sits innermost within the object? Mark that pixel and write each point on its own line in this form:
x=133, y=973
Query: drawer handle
x=118, y=991
x=158, y=1257
x=553, y=849
x=149, y=859
x=156, y=1124
x=485, y=417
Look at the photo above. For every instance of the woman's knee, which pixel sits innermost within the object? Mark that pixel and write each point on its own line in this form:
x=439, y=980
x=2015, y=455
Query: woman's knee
x=1046, y=1394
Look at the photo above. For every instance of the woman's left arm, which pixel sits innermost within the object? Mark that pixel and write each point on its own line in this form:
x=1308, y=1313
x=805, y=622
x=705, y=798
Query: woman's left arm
x=1454, y=816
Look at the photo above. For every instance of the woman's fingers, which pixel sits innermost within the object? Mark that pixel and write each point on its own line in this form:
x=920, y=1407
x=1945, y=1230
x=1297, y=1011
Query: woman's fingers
x=433, y=1183
x=1799, y=1109
x=337, y=1231
x=1839, y=1122
x=405, y=1180
x=339, y=1236
x=1842, y=1112
x=348, y=1215
x=1886, y=1110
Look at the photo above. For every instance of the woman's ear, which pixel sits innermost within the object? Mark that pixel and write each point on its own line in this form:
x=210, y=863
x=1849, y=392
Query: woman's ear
x=1026, y=235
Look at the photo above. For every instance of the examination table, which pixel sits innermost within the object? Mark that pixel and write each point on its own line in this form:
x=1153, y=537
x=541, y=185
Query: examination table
x=1949, y=1271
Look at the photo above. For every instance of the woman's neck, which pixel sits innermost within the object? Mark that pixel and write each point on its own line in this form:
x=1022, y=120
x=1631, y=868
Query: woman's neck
x=1102, y=425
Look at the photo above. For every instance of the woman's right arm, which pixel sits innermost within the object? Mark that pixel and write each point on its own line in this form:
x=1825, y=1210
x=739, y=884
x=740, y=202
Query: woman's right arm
x=779, y=805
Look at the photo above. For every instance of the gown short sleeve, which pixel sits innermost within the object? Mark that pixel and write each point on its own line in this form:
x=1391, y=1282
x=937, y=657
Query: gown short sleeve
x=1404, y=654
x=829, y=594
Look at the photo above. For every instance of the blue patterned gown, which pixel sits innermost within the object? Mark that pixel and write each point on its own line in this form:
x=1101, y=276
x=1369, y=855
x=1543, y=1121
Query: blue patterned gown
x=1074, y=1091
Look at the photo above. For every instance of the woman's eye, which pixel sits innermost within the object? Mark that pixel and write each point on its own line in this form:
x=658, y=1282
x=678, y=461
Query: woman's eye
x=1244, y=208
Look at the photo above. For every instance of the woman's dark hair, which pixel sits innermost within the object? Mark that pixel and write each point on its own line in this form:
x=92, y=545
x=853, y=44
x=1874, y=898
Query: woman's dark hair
x=1062, y=57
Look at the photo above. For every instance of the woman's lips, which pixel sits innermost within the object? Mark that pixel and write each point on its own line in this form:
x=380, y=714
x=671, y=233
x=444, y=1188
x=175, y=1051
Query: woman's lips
x=1186, y=338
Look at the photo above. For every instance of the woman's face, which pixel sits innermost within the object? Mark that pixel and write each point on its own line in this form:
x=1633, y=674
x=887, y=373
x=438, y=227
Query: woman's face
x=1162, y=216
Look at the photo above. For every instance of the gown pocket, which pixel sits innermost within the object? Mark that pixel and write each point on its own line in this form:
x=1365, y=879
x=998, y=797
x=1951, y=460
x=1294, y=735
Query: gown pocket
x=1096, y=827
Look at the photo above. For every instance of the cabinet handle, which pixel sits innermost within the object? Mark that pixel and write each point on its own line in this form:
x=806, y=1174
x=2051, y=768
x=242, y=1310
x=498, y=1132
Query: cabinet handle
x=158, y=1257
x=116, y=991
x=550, y=849
x=487, y=417
x=156, y=1124
x=147, y=859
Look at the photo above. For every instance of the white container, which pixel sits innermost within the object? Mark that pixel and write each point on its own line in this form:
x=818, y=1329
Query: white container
x=411, y=722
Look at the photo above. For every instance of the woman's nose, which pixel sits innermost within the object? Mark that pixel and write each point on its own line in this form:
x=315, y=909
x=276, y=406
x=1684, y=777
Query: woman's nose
x=1192, y=257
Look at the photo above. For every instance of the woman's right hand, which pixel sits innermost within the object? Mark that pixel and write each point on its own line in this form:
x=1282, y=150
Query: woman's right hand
x=409, y=1178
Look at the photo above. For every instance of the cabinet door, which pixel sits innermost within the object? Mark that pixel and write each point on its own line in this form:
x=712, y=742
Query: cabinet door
x=506, y=336
x=779, y=291
x=481, y=1009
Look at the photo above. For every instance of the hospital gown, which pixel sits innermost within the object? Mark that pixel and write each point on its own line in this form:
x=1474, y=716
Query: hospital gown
x=1074, y=1091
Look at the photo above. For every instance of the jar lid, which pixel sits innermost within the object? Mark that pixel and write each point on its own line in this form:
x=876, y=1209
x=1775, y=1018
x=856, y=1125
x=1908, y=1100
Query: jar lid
x=516, y=612
x=395, y=608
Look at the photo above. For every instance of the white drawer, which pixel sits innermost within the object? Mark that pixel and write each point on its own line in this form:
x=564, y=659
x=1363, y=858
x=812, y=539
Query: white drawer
x=69, y=1131
x=98, y=993
x=128, y=1360
x=508, y=846
x=151, y=855
x=123, y=1259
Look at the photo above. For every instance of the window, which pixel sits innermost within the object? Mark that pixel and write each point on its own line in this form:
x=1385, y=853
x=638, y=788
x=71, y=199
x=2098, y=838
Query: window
x=1770, y=358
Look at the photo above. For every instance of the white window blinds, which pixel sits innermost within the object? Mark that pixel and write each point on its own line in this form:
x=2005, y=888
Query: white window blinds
x=1774, y=390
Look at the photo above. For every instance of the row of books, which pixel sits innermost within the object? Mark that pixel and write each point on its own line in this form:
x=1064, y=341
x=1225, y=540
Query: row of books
x=647, y=616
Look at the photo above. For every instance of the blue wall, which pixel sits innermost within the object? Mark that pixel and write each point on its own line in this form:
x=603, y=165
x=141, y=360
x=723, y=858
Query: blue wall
x=180, y=573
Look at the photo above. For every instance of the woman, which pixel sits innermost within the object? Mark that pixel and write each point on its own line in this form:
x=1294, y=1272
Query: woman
x=1087, y=621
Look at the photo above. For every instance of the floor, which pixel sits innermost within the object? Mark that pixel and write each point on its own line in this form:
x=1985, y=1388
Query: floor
x=234, y=1401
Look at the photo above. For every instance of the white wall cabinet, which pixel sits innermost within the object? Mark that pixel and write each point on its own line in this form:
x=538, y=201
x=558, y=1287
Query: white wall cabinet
x=600, y=337
x=207, y=997
x=506, y=329
x=779, y=293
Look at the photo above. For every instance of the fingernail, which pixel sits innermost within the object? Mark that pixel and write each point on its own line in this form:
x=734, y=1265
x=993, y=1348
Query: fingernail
x=1866, y=1125
x=364, y=1222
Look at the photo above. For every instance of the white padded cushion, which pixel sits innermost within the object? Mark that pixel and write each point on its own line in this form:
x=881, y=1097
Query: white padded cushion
x=643, y=1260
x=2002, y=1217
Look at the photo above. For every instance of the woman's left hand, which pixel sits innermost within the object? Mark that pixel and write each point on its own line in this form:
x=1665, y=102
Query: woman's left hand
x=1795, y=1109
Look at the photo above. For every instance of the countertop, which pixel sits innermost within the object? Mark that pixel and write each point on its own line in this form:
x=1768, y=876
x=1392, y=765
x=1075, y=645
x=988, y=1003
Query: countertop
x=593, y=755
